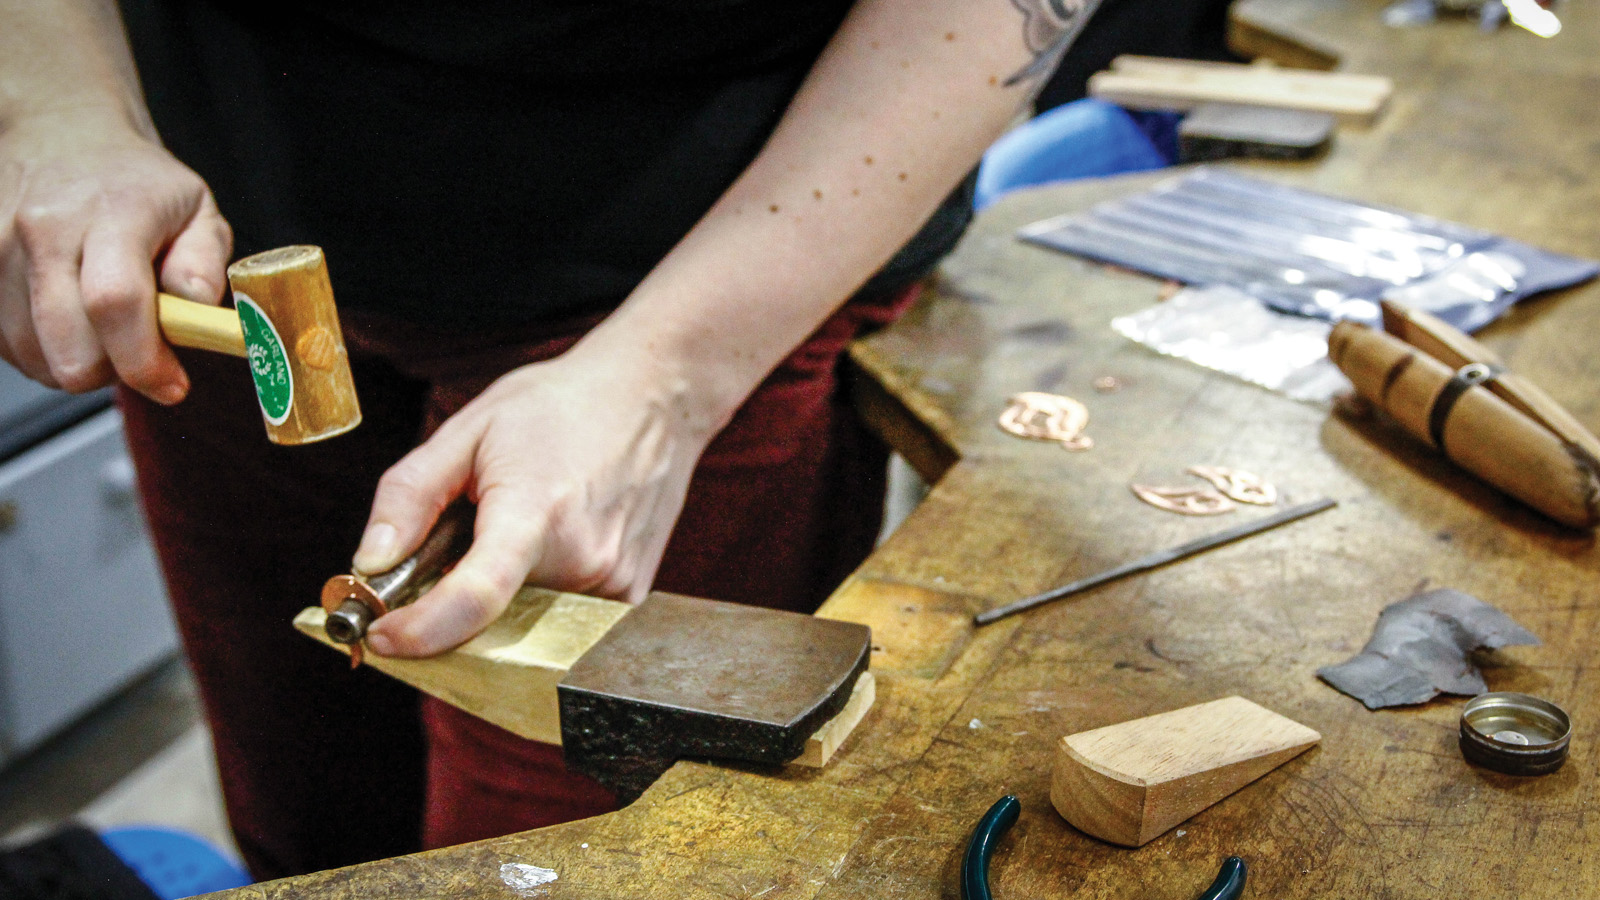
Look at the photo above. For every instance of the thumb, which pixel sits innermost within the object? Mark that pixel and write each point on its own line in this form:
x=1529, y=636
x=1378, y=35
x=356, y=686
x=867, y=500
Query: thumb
x=507, y=541
x=412, y=494
x=196, y=261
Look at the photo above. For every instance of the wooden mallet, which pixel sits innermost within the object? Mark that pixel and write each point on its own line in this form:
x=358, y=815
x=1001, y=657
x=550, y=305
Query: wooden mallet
x=285, y=324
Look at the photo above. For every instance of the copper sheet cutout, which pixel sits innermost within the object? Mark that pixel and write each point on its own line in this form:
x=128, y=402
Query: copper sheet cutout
x=1245, y=487
x=1228, y=485
x=1047, y=417
x=1185, y=500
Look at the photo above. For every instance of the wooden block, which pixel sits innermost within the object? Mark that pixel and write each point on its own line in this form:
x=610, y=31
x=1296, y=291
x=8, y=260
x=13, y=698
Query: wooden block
x=821, y=746
x=1130, y=783
x=1151, y=83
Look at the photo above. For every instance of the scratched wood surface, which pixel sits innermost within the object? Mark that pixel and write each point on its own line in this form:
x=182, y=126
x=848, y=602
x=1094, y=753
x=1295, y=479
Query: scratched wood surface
x=1495, y=131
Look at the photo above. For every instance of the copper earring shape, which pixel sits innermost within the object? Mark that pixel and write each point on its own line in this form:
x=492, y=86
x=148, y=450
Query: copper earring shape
x=1184, y=500
x=1245, y=487
x=1047, y=417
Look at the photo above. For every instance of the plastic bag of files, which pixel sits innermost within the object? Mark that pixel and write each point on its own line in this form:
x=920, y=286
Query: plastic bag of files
x=1304, y=254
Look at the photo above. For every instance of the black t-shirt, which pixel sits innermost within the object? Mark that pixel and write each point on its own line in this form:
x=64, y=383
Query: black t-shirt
x=475, y=163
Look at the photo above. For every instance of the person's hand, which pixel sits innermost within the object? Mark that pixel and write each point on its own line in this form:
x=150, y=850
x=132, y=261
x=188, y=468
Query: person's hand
x=88, y=209
x=579, y=467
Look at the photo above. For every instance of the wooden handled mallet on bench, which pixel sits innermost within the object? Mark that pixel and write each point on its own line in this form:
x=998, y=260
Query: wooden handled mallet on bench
x=284, y=323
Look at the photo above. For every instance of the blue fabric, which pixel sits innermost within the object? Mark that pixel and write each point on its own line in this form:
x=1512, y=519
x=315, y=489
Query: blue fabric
x=1084, y=139
x=174, y=863
x=1161, y=127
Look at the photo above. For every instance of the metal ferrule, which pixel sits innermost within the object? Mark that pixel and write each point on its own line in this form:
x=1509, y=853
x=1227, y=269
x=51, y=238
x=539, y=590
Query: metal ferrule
x=348, y=624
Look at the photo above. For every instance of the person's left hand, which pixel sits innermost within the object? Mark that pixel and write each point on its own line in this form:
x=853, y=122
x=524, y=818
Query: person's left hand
x=579, y=467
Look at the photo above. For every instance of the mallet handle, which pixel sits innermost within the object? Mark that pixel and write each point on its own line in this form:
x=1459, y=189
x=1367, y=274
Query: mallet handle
x=190, y=324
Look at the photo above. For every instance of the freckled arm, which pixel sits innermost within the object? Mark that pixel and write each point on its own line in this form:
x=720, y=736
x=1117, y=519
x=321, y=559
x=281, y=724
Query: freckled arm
x=902, y=103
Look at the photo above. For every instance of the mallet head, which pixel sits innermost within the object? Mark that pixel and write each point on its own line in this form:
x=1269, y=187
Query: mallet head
x=294, y=345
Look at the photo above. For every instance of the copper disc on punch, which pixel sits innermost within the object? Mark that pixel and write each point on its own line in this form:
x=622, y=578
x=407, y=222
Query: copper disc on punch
x=341, y=589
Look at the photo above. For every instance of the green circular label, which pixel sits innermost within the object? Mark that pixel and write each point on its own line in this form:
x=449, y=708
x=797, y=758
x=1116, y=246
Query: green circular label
x=269, y=363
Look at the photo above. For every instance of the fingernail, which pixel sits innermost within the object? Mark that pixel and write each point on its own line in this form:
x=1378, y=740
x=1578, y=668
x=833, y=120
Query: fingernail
x=199, y=289
x=377, y=546
x=170, y=394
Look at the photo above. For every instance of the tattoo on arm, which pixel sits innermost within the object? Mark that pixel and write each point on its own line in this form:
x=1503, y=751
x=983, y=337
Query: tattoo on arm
x=1049, y=28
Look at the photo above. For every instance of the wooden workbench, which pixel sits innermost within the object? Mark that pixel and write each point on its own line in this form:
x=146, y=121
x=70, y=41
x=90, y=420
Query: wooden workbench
x=1497, y=131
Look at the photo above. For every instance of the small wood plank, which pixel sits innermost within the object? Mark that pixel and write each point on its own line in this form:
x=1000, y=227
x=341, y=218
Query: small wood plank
x=1349, y=83
x=1131, y=782
x=827, y=740
x=1151, y=83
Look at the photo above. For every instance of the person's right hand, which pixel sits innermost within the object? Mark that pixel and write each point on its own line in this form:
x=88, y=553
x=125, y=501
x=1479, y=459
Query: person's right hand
x=89, y=208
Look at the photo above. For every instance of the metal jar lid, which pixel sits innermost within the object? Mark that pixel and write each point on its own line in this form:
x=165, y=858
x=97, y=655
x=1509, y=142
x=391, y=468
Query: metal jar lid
x=1517, y=734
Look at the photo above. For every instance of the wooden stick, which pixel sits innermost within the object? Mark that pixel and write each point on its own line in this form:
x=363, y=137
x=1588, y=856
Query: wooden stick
x=1483, y=434
x=1374, y=87
x=1140, y=82
x=199, y=325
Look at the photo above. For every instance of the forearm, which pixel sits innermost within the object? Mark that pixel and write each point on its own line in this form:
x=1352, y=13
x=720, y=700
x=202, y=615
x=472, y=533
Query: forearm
x=94, y=213
x=67, y=57
x=900, y=106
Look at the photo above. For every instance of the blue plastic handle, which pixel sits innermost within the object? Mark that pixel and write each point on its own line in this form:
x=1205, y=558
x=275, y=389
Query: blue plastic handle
x=1229, y=884
x=1230, y=881
x=975, y=865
